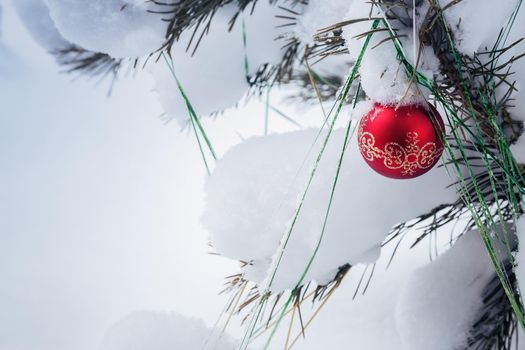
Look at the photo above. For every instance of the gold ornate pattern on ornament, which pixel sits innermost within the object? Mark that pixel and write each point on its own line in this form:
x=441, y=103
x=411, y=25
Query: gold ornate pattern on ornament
x=409, y=158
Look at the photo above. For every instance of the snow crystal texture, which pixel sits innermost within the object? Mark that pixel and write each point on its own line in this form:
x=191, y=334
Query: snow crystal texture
x=255, y=189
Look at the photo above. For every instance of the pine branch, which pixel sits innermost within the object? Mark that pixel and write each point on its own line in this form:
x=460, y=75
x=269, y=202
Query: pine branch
x=269, y=75
x=327, y=86
x=197, y=14
x=76, y=59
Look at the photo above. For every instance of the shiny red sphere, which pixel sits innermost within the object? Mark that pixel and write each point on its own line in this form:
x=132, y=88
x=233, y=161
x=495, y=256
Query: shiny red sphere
x=403, y=142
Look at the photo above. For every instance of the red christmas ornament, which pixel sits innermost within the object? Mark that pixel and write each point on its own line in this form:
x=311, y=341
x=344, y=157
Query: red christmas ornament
x=402, y=142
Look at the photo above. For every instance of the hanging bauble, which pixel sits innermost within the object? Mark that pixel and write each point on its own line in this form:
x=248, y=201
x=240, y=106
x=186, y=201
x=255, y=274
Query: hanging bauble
x=401, y=142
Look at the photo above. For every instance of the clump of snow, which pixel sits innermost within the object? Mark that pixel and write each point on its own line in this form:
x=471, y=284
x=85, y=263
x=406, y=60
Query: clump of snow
x=120, y=28
x=438, y=304
x=147, y=330
x=214, y=77
x=383, y=78
x=475, y=21
x=255, y=189
x=35, y=16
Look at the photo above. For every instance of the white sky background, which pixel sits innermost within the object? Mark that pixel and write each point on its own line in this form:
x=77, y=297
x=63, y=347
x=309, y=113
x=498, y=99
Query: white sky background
x=100, y=203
